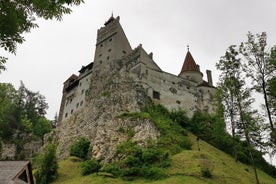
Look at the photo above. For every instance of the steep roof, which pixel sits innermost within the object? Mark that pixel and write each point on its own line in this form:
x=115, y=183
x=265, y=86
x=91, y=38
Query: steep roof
x=10, y=171
x=189, y=64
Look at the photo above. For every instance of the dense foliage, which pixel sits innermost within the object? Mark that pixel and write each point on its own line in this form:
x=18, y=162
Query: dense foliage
x=212, y=130
x=173, y=138
x=90, y=166
x=18, y=17
x=47, y=171
x=22, y=113
x=80, y=148
x=137, y=161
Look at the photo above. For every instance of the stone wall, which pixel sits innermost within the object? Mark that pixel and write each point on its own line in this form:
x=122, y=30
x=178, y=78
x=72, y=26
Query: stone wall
x=109, y=95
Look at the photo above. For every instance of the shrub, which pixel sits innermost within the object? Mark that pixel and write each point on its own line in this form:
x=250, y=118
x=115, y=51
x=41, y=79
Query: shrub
x=139, y=162
x=89, y=167
x=80, y=148
x=47, y=171
x=206, y=172
x=112, y=168
x=153, y=173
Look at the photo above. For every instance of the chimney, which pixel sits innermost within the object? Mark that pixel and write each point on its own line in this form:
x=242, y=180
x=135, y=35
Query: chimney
x=151, y=55
x=209, y=77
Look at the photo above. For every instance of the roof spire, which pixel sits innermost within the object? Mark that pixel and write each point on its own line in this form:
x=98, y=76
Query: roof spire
x=112, y=14
x=188, y=47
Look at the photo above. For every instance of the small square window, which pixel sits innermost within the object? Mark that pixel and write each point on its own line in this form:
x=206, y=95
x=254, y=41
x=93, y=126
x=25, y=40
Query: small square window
x=156, y=94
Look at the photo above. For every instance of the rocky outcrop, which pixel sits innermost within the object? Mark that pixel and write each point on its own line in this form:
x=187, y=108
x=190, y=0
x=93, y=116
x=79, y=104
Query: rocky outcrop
x=27, y=149
x=110, y=95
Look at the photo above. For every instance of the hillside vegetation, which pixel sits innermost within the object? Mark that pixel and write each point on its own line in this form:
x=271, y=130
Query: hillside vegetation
x=186, y=168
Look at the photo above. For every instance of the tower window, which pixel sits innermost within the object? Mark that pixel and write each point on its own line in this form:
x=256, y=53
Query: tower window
x=66, y=114
x=72, y=111
x=124, y=52
x=110, y=39
x=109, y=50
x=101, y=61
x=101, y=45
x=156, y=94
x=107, y=57
x=100, y=55
x=77, y=105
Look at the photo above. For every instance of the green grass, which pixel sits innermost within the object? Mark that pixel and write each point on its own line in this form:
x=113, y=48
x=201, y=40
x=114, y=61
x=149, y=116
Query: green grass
x=186, y=168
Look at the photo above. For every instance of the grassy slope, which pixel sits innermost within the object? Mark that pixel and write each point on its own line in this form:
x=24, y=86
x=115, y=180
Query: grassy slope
x=186, y=168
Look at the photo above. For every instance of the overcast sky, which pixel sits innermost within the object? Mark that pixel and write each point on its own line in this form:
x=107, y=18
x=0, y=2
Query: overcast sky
x=55, y=50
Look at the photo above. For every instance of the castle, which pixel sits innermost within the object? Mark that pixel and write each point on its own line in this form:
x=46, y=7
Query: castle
x=187, y=91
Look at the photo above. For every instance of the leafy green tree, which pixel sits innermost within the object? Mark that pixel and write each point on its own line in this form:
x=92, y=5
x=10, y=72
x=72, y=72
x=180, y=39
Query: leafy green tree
x=41, y=127
x=47, y=171
x=19, y=16
x=80, y=148
x=272, y=89
x=249, y=123
x=8, y=101
x=230, y=67
x=258, y=68
x=3, y=60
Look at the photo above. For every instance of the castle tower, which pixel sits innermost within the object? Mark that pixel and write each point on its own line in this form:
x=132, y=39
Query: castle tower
x=190, y=70
x=112, y=44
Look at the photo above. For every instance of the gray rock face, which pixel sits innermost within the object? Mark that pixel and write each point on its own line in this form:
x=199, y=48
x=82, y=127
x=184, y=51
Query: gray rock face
x=108, y=97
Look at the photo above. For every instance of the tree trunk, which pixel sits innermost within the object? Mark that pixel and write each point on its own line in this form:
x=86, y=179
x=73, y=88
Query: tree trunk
x=268, y=111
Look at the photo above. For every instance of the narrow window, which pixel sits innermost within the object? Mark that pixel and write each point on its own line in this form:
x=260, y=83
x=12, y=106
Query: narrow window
x=72, y=111
x=100, y=55
x=156, y=94
x=107, y=57
x=66, y=114
x=77, y=105
x=109, y=50
x=124, y=52
x=110, y=39
x=82, y=91
x=81, y=103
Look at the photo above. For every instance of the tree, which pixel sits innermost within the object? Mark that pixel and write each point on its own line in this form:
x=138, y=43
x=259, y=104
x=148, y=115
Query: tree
x=18, y=17
x=230, y=66
x=249, y=122
x=47, y=171
x=258, y=68
x=237, y=101
x=8, y=101
x=272, y=89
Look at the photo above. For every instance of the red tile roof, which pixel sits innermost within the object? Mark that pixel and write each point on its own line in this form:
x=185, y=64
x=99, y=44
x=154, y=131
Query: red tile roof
x=189, y=64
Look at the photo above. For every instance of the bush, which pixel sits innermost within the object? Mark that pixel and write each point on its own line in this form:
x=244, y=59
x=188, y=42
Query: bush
x=89, y=167
x=47, y=171
x=153, y=173
x=80, y=148
x=139, y=162
x=206, y=172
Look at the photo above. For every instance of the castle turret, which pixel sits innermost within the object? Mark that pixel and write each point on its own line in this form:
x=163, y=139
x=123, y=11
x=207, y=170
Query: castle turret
x=190, y=70
x=112, y=43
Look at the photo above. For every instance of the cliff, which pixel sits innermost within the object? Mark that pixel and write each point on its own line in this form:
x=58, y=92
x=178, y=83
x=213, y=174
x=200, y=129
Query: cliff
x=110, y=94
